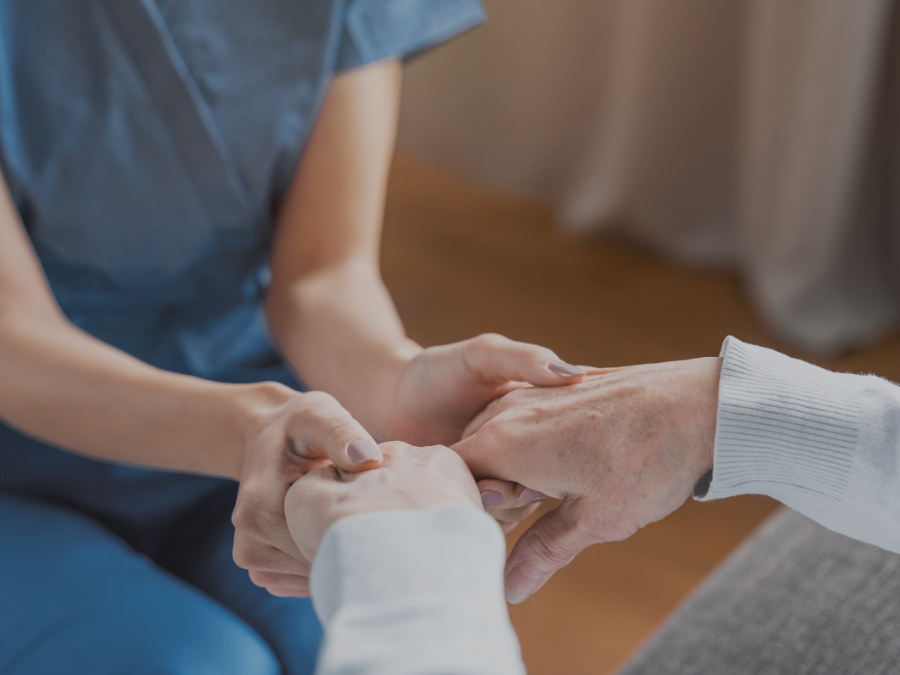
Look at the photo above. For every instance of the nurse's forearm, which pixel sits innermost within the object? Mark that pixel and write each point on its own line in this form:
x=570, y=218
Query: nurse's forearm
x=338, y=327
x=67, y=388
x=330, y=314
x=64, y=387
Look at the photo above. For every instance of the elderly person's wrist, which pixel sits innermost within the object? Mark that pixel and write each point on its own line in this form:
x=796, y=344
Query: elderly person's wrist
x=454, y=548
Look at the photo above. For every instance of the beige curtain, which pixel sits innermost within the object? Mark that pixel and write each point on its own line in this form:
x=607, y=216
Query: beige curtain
x=755, y=134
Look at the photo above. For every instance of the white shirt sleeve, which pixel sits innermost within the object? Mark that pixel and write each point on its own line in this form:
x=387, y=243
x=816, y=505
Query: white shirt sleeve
x=414, y=593
x=826, y=444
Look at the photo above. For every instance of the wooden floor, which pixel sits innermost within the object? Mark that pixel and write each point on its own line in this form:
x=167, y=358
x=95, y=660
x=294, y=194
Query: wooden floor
x=460, y=261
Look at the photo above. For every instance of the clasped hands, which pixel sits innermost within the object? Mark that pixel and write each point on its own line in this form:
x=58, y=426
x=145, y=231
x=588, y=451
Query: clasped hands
x=621, y=448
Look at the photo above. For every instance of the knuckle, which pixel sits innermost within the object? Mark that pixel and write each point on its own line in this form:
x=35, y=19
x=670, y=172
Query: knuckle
x=317, y=406
x=250, y=509
x=475, y=349
x=241, y=554
x=538, y=353
x=283, y=585
x=318, y=398
x=260, y=520
x=397, y=450
x=255, y=557
x=555, y=553
x=476, y=353
x=490, y=341
x=440, y=452
x=241, y=518
x=532, y=354
x=258, y=578
x=397, y=446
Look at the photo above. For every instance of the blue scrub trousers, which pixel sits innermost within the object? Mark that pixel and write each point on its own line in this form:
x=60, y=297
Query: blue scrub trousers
x=113, y=570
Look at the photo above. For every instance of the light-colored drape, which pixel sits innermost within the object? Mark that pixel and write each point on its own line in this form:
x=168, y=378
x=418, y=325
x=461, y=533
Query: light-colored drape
x=755, y=134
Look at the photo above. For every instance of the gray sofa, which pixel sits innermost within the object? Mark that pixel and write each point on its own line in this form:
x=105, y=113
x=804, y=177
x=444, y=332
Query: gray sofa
x=794, y=599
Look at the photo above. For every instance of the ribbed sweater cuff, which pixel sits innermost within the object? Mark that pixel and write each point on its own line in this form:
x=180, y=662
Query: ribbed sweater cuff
x=390, y=557
x=784, y=428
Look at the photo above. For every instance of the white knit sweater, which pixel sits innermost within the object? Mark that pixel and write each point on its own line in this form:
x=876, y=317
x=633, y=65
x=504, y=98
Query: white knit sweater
x=826, y=444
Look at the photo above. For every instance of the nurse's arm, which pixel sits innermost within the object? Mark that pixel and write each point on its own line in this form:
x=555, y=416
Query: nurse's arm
x=328, y=308
x=64, y=387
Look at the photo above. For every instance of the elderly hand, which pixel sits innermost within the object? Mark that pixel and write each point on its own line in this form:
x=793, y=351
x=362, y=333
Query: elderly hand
x=622, y=450
x=443, y=388
x=410, y=478
x=289, y=435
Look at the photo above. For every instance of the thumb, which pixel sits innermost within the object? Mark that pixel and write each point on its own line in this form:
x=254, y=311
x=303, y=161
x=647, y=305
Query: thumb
x=548, y=545
x=496, y=358
x=325, y=429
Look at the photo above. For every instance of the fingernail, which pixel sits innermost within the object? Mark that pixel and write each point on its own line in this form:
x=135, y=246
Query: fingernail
x=520, y=584
x=491, y=498
x=564, y=369
x=362, y=451
x=529, y=495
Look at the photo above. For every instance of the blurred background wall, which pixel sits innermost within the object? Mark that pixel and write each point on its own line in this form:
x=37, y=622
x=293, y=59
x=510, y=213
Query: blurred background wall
x=756, y=135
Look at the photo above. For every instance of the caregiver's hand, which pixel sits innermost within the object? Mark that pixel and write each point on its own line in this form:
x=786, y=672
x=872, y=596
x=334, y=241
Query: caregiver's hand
x=410, y=478
x=622, y=450
x=443, y=388
x=289, y=435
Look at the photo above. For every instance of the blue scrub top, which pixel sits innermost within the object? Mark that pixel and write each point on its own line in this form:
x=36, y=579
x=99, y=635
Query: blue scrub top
x=147, y=144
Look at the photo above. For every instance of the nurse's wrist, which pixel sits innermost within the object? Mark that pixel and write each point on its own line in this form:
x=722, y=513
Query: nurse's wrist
x=248, y=408
x=383, y=398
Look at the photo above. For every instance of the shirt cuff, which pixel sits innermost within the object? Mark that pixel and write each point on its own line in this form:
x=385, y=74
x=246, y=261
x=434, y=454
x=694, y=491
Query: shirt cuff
x=414, y=593
x=388, y=556
x=784, y=428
